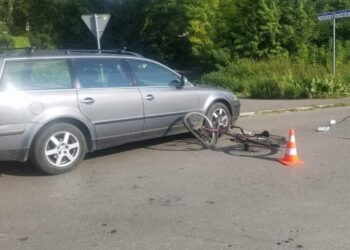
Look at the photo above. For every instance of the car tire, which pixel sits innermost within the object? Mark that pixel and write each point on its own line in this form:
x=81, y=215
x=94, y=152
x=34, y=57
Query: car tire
x=219, y=115
x=58, y=148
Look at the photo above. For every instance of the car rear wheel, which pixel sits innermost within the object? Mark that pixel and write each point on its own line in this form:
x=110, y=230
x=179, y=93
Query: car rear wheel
x=219, y=115
x=58, y=148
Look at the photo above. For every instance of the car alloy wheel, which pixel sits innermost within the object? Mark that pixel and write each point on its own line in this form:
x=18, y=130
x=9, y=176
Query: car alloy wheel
x=58, y=148
x=62, y=149
x=220, y=118
x=219, y=115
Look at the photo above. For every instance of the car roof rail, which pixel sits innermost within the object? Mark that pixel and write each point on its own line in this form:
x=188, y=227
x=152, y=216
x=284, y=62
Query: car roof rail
x=24, y=50
x=96, y=51
x=33, y=50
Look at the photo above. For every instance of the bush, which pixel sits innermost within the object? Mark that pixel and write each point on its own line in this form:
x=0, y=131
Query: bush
x=20, y=41
x=281, y=77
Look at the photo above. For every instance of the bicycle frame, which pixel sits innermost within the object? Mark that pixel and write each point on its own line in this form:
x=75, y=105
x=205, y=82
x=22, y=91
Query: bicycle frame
x=208, y=134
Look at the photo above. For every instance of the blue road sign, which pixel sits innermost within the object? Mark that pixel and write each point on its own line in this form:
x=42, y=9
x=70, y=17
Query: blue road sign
x=333, y=16
x=336, y=14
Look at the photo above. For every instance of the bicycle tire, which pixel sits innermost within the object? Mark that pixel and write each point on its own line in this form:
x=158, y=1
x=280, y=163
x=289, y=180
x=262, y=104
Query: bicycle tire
x=272, y=141
x=202, y=128
x=278, y=140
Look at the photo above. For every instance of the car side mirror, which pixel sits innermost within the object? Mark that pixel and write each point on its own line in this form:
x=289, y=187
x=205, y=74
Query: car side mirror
x=183, y=80
x=179, y=83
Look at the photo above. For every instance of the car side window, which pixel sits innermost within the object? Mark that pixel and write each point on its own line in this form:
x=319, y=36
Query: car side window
x=152, y=74
x=101, y=73
x=37, y=75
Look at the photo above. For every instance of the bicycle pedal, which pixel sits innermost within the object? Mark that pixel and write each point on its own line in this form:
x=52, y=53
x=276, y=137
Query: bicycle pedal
x=265, y=133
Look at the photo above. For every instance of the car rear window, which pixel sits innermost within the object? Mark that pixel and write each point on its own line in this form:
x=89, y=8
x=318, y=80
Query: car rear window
x=101, y=73
x=37, y=75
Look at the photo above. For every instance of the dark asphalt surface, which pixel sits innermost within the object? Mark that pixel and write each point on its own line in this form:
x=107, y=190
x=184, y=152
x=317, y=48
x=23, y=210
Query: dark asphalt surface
x=174, y=194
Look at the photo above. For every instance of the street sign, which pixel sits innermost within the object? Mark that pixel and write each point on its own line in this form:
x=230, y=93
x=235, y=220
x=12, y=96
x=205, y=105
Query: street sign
x=97, y=24
x=333, y=16
x=336, y=14
x=102, y=21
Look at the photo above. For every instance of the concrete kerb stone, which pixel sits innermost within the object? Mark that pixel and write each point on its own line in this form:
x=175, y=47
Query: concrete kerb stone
x=295, y=109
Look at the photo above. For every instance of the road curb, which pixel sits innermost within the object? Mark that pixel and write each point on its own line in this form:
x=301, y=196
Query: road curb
x=295, y=109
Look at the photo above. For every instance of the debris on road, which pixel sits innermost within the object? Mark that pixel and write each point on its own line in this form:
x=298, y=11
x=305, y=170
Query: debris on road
x=323, y=129
x=331, y=123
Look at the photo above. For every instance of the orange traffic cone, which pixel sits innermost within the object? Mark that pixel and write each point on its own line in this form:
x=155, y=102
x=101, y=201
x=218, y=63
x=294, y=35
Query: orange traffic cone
x=291, y=156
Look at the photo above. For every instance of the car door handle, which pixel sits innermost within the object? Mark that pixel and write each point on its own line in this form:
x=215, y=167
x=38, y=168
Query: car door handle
x=150, y=97
x=88, y=100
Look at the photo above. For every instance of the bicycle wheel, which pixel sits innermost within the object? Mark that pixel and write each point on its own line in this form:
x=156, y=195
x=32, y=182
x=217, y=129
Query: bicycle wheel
x=202, y=128
x=267, y=140
x=277, y=140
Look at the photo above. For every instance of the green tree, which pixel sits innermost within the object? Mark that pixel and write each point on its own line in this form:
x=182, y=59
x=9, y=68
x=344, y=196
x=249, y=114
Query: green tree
x=324, y=29
x=210, y=26
x=257, y=30
x=6, y=9
x=5, y=39
x=297, y=25
x=157, y=28
x=164, y=33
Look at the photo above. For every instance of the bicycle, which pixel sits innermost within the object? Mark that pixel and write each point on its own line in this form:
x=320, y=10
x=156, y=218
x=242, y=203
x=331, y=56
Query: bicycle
x=205, y=131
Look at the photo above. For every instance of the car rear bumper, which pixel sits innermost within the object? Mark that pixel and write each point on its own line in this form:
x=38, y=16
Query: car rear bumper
x=15, y=141
x=14, y=155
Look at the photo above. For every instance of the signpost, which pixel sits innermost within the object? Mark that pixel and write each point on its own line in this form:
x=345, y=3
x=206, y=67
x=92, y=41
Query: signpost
x=333, y=16
x=97, y=24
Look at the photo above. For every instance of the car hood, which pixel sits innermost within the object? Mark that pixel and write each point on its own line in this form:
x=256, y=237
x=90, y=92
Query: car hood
x=209, y=87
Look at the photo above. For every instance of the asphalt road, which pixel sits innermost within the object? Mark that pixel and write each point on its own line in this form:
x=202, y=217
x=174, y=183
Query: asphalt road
x=173, y=194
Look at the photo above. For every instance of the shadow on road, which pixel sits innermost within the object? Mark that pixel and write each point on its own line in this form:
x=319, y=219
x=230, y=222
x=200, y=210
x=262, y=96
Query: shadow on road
x=189, y=143
x=19, y=169
x=169, y=143
x=27, y=169
x=179, y=143
x=254, y=151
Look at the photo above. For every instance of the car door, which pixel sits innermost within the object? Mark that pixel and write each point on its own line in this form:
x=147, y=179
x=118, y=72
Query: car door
x=107, y=98
x=165, y=103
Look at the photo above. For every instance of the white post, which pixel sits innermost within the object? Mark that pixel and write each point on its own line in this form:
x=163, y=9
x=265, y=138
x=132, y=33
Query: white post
x=334, y=46
x=97, y=34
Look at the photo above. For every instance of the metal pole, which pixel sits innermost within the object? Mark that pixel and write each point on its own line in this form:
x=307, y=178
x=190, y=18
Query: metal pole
x=334, y=46
x=97, y=34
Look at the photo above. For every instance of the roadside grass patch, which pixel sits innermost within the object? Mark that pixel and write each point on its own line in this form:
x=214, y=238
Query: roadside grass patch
x=281, y=78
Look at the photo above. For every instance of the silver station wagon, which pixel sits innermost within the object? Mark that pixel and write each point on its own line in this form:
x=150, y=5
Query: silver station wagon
x=55, y=106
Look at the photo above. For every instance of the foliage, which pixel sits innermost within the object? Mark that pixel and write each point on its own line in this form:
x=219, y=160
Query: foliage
x=281, y=77
x=207, y=29
x=5, y=40
x=257, y=29
x=225, y=37
x=20, y=41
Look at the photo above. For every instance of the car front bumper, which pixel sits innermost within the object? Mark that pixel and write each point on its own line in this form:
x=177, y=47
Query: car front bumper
x=236, y=108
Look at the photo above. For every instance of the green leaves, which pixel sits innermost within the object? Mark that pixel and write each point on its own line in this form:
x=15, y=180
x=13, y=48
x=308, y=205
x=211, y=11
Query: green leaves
x=184, y=33
x=257, y=30
x=280, y=77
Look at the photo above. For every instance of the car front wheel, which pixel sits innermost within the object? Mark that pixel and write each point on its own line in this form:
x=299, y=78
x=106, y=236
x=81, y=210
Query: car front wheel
x=219, y=115
x=58, y=148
